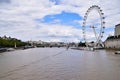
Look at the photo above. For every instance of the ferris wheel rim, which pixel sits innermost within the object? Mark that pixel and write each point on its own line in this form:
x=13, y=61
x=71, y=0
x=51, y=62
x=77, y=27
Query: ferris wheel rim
x=101, y=14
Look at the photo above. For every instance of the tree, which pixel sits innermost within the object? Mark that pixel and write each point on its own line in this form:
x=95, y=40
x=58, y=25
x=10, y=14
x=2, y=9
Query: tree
x=81, y=44
x=10, y=42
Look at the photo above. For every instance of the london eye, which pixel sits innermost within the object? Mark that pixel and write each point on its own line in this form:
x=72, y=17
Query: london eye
x=98, y=35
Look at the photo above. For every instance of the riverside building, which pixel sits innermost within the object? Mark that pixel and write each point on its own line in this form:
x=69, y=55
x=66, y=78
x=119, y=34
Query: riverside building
x=113, y=42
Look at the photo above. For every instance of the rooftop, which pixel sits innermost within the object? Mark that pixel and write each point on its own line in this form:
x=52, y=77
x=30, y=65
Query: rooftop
x=117, y=25
x=113, y=37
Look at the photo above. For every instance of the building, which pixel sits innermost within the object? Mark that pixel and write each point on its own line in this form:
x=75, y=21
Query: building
x=113, y=42
x=117, y=30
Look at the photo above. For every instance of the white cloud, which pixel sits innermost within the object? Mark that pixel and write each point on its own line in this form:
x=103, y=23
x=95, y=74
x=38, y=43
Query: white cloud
x=17, y=18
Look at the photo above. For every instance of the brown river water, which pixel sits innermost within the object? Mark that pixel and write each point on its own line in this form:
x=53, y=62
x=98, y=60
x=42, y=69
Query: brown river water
x=59, y=64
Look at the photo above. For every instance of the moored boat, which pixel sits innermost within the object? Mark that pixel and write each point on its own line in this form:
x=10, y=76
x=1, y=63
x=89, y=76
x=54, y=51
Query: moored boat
x=3, y=49
x=117, y=52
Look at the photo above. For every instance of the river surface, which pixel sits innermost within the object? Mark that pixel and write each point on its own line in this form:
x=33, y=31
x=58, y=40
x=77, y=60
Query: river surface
x=59, y=64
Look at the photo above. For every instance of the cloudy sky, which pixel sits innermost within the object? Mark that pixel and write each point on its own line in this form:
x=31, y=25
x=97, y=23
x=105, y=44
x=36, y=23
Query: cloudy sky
x=54, y=20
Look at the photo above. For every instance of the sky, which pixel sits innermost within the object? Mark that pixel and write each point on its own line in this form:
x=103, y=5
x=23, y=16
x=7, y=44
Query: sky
x=55, y=20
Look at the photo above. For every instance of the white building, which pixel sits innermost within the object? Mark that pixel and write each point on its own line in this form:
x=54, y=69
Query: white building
x=35, y=42
x=114, y=41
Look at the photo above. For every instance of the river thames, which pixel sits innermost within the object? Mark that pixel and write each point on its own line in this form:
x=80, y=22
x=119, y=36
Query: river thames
x=59, y=64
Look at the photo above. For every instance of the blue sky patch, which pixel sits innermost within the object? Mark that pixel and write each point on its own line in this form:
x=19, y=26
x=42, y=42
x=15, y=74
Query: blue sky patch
x=5, y=1
x=57, y=2
x=65, y=18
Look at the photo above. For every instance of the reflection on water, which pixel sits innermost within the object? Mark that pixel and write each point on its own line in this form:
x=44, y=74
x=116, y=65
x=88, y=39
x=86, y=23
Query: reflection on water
x=59, y=64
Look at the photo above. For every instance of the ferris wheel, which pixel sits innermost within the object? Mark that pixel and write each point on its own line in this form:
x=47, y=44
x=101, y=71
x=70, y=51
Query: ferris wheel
x=98, y=36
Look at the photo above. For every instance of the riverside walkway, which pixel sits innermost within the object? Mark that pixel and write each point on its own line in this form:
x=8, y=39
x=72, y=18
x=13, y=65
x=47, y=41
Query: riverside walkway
x=59, y=64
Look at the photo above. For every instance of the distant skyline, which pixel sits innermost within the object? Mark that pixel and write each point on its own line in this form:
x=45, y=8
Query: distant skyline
x=54, y=20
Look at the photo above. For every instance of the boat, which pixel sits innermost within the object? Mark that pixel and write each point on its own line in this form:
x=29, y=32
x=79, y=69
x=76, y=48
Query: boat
x=10, y=49
x=117, y=52
x=3, y=49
